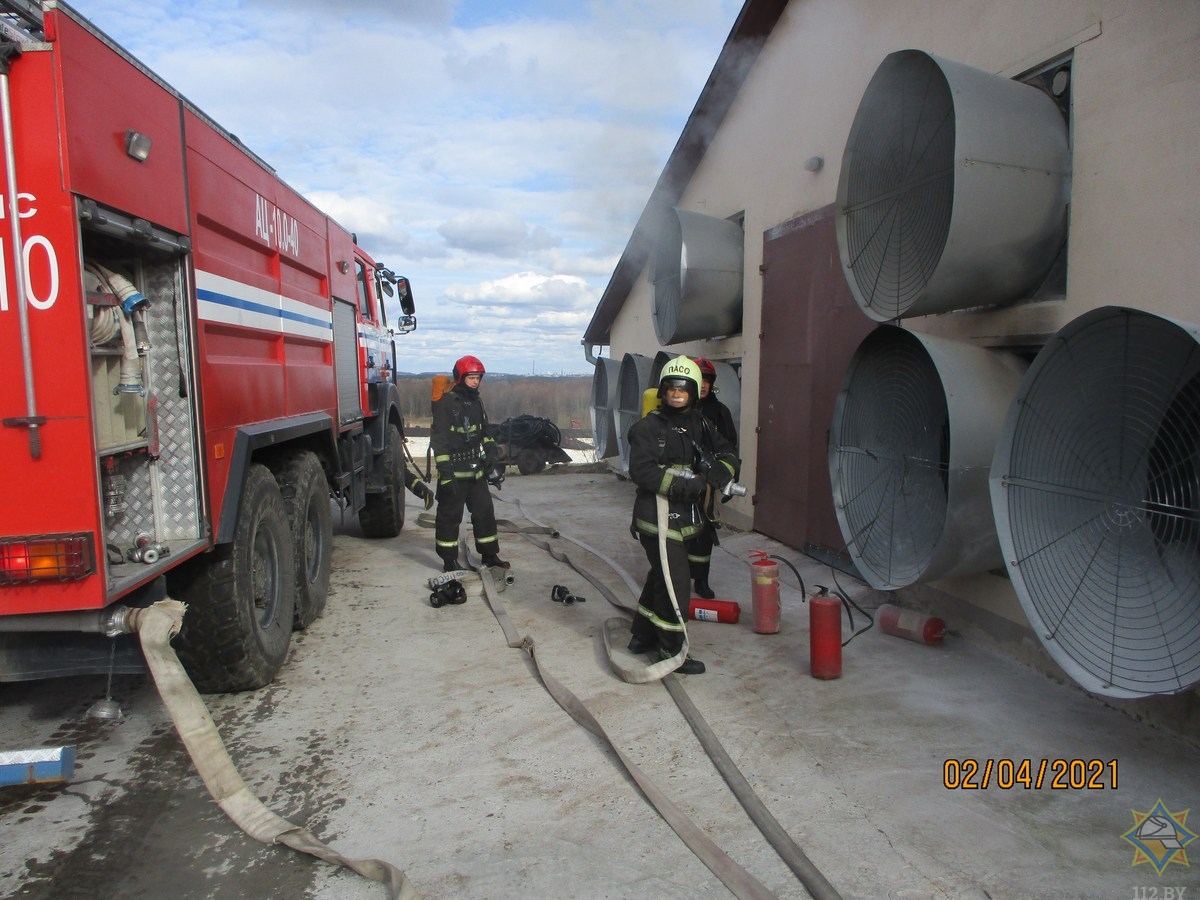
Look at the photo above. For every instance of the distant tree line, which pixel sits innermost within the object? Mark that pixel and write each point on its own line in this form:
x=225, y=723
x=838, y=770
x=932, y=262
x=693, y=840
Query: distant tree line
x=564, y=400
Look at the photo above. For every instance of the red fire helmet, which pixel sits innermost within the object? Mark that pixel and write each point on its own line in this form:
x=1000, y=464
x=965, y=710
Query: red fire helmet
x=467, y=365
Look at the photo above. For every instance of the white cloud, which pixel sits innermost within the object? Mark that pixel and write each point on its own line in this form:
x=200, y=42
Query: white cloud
x=495, y=233
x=498, y=154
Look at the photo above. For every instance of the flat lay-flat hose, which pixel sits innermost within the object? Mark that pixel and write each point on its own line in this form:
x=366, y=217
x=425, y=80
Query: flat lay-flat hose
x=776, y=835
x=155, y=626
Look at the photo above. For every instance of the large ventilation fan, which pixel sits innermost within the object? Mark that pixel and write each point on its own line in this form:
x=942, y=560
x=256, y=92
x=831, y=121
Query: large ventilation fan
x=605, y=381
x=952, y=191
x=1096, y=487
x=912, y=436
x=633, y=379
x=697, y=278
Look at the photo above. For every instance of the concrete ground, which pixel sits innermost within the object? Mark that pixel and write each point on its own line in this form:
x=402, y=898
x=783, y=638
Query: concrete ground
x=416, y=735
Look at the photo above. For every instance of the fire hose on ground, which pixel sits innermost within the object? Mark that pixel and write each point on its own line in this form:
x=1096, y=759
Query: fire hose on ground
x=740, y=882
x=158, y=624
x=155, y=626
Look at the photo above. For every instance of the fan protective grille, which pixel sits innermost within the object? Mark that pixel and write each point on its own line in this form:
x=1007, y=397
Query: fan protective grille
x=1096, y=490
x=896, y=191
x=889, y=459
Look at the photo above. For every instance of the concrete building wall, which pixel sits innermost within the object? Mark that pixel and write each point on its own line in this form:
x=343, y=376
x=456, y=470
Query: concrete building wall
x=1134, y=126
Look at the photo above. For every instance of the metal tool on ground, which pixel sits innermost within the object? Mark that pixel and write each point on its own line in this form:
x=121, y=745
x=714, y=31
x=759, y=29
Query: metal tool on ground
x=451, y=593
x=560, y=594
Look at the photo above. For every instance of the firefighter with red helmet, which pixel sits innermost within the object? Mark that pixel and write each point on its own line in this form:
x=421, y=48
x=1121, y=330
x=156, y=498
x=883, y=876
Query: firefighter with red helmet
x=673, y=453
x=465, y=455
x=701, y=546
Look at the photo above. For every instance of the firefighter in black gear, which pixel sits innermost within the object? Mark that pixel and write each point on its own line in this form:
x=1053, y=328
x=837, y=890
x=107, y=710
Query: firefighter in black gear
x=465, y=456
x=674, y=453
x=701, y=546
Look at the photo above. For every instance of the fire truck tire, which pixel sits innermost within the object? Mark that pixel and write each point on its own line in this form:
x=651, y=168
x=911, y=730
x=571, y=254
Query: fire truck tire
x=383, y=514
x=240, y=598
x=530, y=462
x=307, y=502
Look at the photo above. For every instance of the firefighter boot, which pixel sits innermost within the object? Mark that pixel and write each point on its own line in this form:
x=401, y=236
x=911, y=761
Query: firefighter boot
x=451, y=565
x=703, y=590
x=642, y=644
x=688, y=667
x=493, y=561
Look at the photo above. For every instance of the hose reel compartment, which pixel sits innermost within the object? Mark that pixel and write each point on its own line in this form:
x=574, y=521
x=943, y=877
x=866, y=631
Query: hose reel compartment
x=953, y=189
x=1096, y=489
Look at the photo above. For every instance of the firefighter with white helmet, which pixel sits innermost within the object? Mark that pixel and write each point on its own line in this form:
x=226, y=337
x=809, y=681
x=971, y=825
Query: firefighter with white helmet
x=465, y=456
x=701, y=546
x=673, y=453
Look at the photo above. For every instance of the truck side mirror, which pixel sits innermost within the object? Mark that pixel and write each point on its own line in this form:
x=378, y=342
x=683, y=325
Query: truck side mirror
x=406, y=298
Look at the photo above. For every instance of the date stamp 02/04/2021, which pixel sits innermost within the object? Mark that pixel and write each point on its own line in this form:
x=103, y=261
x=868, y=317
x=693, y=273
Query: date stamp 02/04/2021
x=1030, y=774
x=1159, y=836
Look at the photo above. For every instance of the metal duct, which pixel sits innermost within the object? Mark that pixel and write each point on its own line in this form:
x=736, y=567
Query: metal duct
x=605, y=380
x=697, y=278
x=1096, y=488
x=633, y=379
x=913, y=432
x=953, y=189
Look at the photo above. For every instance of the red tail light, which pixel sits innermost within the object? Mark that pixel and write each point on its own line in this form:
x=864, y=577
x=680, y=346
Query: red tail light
x=47, y=557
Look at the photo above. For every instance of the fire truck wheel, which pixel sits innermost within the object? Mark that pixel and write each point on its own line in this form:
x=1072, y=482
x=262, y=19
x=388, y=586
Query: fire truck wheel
x=241, y=597
x=383, y=515
x=306, y=496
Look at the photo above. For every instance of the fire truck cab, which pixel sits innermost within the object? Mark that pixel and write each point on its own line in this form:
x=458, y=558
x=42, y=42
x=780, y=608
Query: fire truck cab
x=198, y=364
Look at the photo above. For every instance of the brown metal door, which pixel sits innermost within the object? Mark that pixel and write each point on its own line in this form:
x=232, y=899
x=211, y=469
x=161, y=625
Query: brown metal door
x=811, y=327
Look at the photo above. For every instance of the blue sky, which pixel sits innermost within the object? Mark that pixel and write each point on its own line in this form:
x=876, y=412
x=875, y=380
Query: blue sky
x=498, y=154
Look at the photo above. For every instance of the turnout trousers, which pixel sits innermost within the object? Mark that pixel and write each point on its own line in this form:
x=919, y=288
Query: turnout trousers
x=656, y=619
x=700, y=553
x=475, y=496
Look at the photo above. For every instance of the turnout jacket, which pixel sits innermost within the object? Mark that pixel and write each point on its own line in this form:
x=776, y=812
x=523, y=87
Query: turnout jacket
x=720, y=416
x=461, y=447
x=665, y=439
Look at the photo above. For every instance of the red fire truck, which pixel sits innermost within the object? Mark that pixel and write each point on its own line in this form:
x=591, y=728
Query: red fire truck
x=196, y=366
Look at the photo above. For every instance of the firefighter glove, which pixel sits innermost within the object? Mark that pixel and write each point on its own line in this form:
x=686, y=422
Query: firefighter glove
x=686, y=488
x=717, y=475
x=446, y=491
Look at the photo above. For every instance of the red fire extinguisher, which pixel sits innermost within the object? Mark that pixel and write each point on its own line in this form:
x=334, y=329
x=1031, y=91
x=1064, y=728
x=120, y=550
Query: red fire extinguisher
x=727, y=611
x=910, y=624
x=764, y=592
x=824, y=635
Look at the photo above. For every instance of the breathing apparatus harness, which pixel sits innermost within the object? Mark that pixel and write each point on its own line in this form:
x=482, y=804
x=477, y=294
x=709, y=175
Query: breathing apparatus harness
x=472, y=457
